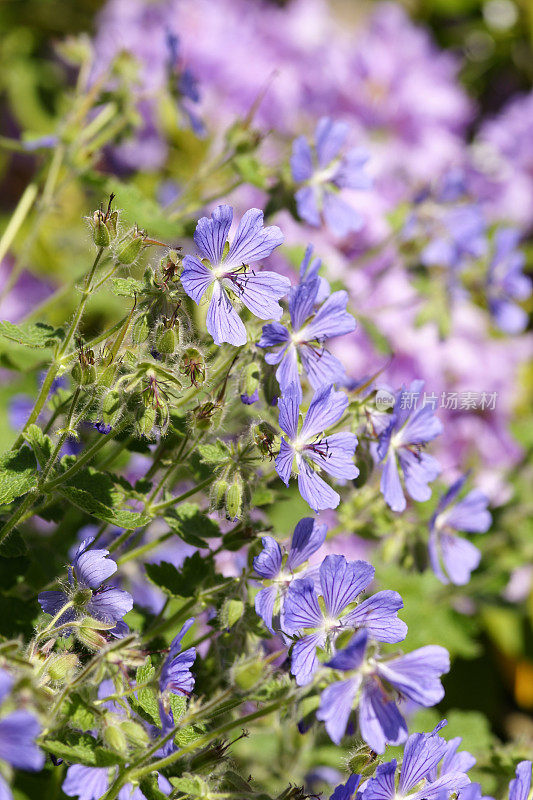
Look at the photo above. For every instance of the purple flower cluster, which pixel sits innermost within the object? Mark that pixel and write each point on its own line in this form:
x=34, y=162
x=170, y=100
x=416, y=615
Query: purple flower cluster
x=18, y=731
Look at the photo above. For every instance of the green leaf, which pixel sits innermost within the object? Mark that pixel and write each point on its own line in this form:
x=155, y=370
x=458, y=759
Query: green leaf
x=213, y=453
x=191, y=525
x=18, y=474
x=79, y=716
x=231, y=612
x=189, y=734
x=150, y=788
x=81, y=748
x=31, y=335
x=127, y=287
x=191, y=785
x=39, y=442
x=147, y=697
x=178, y=705
x=196, y=572
x=99, y=495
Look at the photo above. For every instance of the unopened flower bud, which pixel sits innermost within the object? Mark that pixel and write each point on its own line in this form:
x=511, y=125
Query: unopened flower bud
x=362, y=761
x=114, y=736
x=206, y=416
x=91, y=638
x=140, y=329
x=84, y=374
x=220, y=488
x=62, y=666
x=130, y=246
x=234, y=496
x=166, y=339
x=101, y=235
x=135, y=733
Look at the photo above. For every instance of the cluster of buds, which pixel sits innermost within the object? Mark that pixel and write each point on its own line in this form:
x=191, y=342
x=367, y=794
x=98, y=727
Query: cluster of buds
x=104, y=224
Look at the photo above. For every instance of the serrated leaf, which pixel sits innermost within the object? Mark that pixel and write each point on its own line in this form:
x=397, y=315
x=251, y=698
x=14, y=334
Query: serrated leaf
x=191, y=525
x=178, y=706
x=213, y=453
x=40, y=443
x=127, y=287
x=196, y=572
x=31, y=334
x=147, y=697
x=191, y=785
x=189, y=734
x=99, y=495
x=18, y=474
x=79, y=716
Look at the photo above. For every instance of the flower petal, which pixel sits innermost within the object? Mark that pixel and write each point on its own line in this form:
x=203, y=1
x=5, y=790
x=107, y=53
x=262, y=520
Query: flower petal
x=252, y=241
x=326, y=408
x=211, y=235
x=336, y=705
x=342, y=582
x=378, y=614
x=196, y=278
x=314, y=489
x=268, y=563
x=223, y=322
x=307, y=538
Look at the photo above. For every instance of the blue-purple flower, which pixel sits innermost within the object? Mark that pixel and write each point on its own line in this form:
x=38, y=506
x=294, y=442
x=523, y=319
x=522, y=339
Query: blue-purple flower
x=519, y=787
x=183, y=83
x=340, y=583
x=312, y=448
x=279, y=570
x=226, y=270
x=176, y=678
x=506, y=283
x=314, y=320
x=323, y=171
x=453, y=558
x=374, y=685
x=400, y=446
x=18, y=731
x=458, y=236
x=346, y=791
x=91, y=783
x=87, y=593
x=417, y=777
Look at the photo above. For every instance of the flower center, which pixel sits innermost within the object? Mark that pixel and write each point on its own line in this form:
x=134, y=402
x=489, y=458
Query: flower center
x=81, y=597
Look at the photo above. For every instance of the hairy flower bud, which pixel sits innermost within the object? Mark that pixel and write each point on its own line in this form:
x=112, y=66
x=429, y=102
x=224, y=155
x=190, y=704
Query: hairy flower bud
x=114, y=735
x=62, y=666
x=166, y=339
x=135, y=733
x=218, y=495
x=84, y=371
x=264, y=437
x=250, y=379
x=101, y=235
x=234, y=497
x=130, y=246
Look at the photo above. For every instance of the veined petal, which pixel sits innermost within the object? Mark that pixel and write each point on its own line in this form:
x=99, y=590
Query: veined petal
x=331, y=319
x=419, y=469
x=268, y=563
x=353, y=654
x=211, y=235
x=289, y=409
x=273, y=334
x=314, y=489
x=378, y=614
x=422, y=753
x=110, y=604
x=92, y=567
x=519, y=787
x=321, y=367
x=196, y=278
x=381, y=786
x=18, y=731
x=304, y=661
x=287, y=372
x=302, y=299
x=301, y=608
x=391, y=486
x=223, y=322
x=336, y=705
x=86, y=783
x=326, y=408
x=284, y=461
x=379, y=719
x=252, y=241
x=417, y=674
x=340, y=217
x=338, y=460
x=307, y=538
x=342, y=582
x=264, y=605
x=260, y=293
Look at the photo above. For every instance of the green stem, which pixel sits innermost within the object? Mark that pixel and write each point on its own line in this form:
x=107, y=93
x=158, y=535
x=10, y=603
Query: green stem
x=85, y=457
x=81, y=306
x=62, y=438
x=17, y=515
x=21, y=212
x=157, y=509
